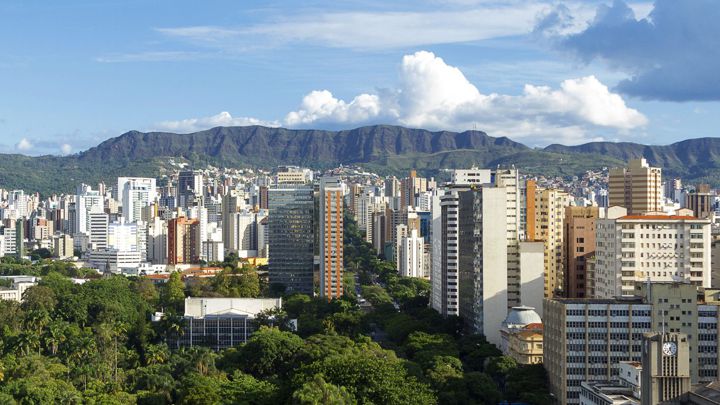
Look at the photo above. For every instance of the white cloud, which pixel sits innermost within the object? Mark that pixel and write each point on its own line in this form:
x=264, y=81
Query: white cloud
x=24, y=145
x=321, y=106
x=65, y=149
x=223, y=119
x=434, y=95
x=371, y=30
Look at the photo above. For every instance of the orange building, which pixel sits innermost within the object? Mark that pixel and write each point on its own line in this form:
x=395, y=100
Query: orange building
x=331, y=234
x=183, y=237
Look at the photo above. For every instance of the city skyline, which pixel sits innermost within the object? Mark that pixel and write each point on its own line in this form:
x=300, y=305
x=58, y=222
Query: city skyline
x=538, y=73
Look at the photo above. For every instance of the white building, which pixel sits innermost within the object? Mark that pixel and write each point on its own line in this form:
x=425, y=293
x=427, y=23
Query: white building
x=114, y=261
x=135, y=193
x=633, y=249
x=410, y=254
x=18, y=286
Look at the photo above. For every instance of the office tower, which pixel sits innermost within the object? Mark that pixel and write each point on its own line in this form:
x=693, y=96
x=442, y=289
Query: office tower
x=331, y=237
x=183, y=235
x=98, y=230
x=263, y=193
x=135, y=193
x=447, y=245
x=242, y=231
x=190, y=186
x=411, y=254
x=637, y=187
x=672, y=189
x=232, y=203
x=579, y=246
x=482, y=260
x=20, y=238
x=547, y=212
x=633, y=249
x=586, y=338
x=392, y=187
x=63, y=246
x=87, y=201
x=666, y=368
x=157, y=241
x=700, y=201
x=128, y=237
x=407, y=190
x=509, y=179
x=291, y=237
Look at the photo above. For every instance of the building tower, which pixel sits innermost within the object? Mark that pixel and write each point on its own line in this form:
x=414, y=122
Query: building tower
x=331, y=234
x=637, y=187
x=291, y=237
x=666, y=368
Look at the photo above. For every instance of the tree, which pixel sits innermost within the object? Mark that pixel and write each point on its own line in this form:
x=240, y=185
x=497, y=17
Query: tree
x=244, y=388
x=269, y=352
x=370, y=377
x=174, y=292
x=319, y=392
x=197, y=389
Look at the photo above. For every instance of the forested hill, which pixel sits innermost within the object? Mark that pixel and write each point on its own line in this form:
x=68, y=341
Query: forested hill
x=385, y=149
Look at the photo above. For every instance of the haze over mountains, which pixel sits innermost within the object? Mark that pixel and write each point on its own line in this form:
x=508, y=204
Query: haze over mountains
x=382, y=148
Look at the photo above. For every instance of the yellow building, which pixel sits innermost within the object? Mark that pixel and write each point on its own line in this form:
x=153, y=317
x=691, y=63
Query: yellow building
x=526, y=345
x=545, y=217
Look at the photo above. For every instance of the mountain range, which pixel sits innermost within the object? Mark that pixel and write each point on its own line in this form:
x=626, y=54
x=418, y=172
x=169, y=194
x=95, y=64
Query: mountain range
x=381, y=148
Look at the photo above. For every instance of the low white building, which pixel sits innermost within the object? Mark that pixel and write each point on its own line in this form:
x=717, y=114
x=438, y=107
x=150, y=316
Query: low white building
x=114, y=261
x=18, y=286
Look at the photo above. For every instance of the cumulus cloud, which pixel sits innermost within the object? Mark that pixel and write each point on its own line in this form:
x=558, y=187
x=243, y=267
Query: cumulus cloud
x=673, y=53
x=223, y=119
x=24, y=145
x=65, y=149
x=432, y=94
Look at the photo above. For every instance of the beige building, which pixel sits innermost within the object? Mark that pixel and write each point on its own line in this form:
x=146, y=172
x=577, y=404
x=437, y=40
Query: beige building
x=549, y=215
x=634, y=249
x=637, y=187
x=666, y=368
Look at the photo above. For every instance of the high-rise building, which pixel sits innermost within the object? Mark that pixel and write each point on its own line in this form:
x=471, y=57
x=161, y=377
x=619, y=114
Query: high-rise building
x=411, y=254
x=482, y=260
x=190, y=186
x=291, y=237
x=637, y=187
x=700, y=201
x=579, y=247
x=547, y=213
x=87, y=201
x=634, y=249
x=20, y=238
x=447, y=248
x=331, y=237
x=98, y=230
x=183, y=235
x=135, y=194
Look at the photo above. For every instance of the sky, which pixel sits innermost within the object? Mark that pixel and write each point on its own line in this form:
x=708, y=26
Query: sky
x=77, y=72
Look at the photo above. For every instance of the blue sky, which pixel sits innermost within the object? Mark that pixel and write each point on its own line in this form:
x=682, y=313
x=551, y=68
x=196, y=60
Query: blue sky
x=77, y=72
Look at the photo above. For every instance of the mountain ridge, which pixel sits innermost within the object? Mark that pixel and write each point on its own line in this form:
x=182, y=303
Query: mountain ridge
x=383, y=148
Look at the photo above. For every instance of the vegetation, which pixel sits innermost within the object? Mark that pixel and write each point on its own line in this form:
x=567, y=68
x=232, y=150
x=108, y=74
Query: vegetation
x=93, y=343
